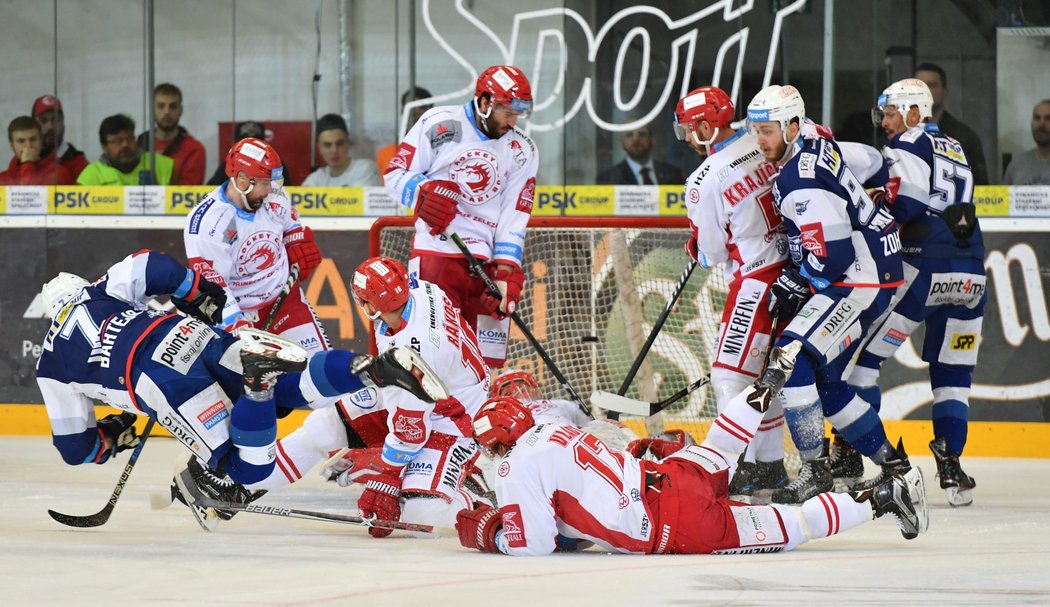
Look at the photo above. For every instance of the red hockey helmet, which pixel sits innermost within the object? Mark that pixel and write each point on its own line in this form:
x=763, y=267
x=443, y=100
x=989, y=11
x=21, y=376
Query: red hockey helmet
x=381, y=282
x=501, y=421
x=708, y=103
x=506, y=85
x=254, y=157
x=519, y=384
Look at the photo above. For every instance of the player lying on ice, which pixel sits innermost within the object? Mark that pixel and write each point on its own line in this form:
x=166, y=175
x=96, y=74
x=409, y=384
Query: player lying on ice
x=560, y=488
x=213, y=392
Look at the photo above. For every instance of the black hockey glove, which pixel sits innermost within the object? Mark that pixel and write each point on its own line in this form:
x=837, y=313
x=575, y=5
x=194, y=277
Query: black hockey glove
x=204, y=303
x=119, y=431
x=788, y=293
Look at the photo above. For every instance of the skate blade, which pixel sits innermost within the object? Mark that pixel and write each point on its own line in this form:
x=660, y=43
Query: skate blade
x=207, y=518
x=428, y=379
x=261, y=342
x=959, y=498
x=917, y=491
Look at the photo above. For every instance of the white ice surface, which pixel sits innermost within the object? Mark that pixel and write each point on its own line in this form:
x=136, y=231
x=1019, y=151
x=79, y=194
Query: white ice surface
x=995, y=552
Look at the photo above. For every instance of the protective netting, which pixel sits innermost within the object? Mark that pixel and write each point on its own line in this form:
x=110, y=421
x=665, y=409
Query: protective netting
x=595, y=289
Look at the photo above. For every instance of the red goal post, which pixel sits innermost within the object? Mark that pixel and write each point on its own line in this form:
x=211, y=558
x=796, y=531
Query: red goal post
x=595, y=288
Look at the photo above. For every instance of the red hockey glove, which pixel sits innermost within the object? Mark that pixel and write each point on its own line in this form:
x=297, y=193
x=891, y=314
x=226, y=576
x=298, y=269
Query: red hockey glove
x=438, y=199
x=349, y=466
x=302, y=250
x=655, y=447
x=380, y=500
x=477, y=528
x=510, y=283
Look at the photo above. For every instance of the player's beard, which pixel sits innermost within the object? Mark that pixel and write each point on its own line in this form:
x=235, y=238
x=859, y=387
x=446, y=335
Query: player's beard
x=254, y=203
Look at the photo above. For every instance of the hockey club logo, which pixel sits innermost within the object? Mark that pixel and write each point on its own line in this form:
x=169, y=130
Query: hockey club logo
x=504, y=469
x=365, y=398
x=408, y=425
x=477, y=171
x=444, y=132
x=403, y=159
x=624, y=502
x=528, y=194
x=813, y=239
x=259, y=252
x=513, y=526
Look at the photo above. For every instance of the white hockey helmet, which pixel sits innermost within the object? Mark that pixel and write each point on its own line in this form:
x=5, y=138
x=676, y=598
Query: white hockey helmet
x=902, y=96
x=58, y=291
x=777, y=103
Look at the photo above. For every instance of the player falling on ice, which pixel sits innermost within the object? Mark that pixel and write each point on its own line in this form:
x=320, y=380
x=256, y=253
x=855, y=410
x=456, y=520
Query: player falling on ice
x=560, y=488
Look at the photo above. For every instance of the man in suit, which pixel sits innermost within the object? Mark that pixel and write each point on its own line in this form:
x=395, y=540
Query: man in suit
x=639, y=167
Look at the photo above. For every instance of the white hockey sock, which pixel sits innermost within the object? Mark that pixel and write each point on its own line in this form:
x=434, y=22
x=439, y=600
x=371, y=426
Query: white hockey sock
x=769, y=441
x=832, y=513
x=320, y=434
x=734, y=427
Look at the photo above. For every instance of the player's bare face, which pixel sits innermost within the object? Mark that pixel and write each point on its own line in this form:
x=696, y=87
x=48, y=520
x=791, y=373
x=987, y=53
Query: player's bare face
x=335, y=148
x=892, y=122
x=770, y=140
x=1041, y=125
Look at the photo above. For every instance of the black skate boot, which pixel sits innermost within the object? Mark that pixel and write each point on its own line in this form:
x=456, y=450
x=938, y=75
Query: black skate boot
x=894, y=465
x=758, y=480
x=403, y=368
x=743, y=482
x=847, y=464
x=264, y=358
x=194, y=481
x=813, y=479
x=892, y=496
x=778, y=370
x=956, y=483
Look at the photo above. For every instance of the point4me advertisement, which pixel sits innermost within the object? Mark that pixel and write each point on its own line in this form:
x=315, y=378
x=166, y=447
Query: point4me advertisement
x=1011, y=382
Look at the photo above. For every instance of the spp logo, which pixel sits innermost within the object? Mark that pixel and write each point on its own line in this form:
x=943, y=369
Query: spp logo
x=185, y=200
x=558, y=200
x=310, y=200
x=964, y=341
x=71, y=200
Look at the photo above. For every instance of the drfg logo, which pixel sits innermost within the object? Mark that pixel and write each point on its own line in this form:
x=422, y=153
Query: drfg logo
x=309, y=200
x=963, y=341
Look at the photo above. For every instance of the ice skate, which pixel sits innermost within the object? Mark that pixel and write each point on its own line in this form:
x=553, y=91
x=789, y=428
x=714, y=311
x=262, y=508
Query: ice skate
x=847, y=464
x=194, y=481
x=956, y=483
x=898, y=464
x=403, y=368
x=758, y=480
x=813, y=479
x=777, y=371
x=264, y=358
x=902, y=499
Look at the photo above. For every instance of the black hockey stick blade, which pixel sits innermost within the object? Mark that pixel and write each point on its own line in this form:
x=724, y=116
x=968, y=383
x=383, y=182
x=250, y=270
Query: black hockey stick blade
x=99, y=518
x=629, y=406
x=346, y=519
x=293, y=277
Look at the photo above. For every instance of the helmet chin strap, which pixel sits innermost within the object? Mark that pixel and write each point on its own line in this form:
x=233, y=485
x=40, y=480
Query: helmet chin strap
x=244, y=194
x=483, y=118
x=707, y=143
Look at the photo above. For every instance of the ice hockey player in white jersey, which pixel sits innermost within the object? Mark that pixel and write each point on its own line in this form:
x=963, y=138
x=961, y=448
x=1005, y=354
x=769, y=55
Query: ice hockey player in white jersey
x=559, y=488
x=729, y=201
x=845, y=265
x=945, y=287
x=418, y=476
x=469, y=170
x=213, y=393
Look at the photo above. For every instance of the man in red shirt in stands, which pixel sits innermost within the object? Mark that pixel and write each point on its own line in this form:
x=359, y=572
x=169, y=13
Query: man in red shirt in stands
x=172, y=140
x=47, y=110
x=28, y=167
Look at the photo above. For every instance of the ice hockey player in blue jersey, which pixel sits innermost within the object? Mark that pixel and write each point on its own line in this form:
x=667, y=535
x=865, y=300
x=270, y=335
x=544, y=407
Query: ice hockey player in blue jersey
x=944, y=269
x=214, y=393
x=844, y=264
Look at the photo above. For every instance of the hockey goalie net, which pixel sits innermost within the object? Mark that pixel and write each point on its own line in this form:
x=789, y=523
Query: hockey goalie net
x=595, y=288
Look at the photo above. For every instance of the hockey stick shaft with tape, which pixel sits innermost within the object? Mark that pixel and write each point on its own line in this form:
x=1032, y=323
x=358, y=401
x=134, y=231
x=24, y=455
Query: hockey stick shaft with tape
x=490, y=286
x=293, y=277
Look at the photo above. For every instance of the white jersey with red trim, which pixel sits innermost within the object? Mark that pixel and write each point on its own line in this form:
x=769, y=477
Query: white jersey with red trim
x=433, y=328
x=729, y=201
x=497, y=178
x=560, y=480
x=556, y=411
x=240, y=250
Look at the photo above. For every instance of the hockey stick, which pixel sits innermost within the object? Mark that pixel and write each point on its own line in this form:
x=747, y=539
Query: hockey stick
x=493, y=290
x=293, y=277
x=679, y=288
x=100, y=517
x=310, y=515
x=630, y=406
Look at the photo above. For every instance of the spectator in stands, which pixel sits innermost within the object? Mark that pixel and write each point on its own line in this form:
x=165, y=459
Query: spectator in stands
x=937, y=81
x=1033, y=166
x=333, y=141
x=28, y=167
x=47, y=110
x=122, y=162
x=173, y=140
x=243, y=130
x=385, y=153
x=639, y=167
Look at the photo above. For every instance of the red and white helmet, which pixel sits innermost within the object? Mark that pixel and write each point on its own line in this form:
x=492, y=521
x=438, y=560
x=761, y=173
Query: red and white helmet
x=505, y=85
x=519, y=384
x=381, y=282
x=501, y=421
x=708, y=103
x=255, y=158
